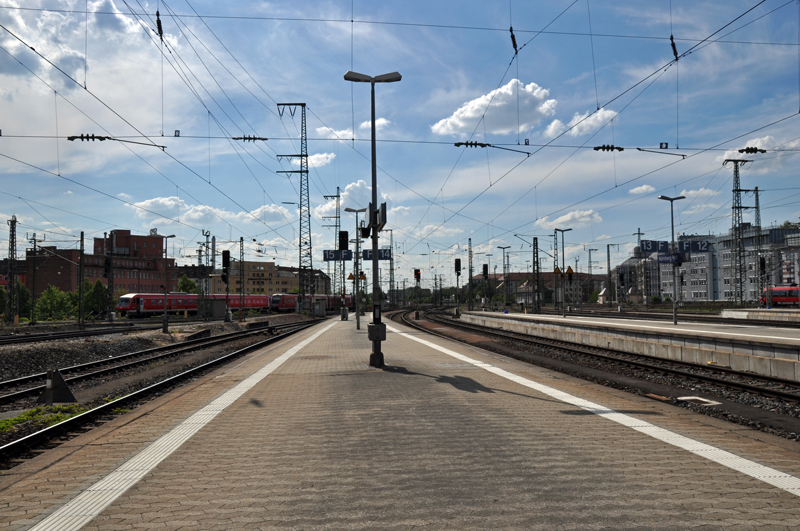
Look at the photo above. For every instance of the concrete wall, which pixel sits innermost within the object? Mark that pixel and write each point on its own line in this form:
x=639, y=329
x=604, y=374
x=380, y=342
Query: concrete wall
x=755, y=356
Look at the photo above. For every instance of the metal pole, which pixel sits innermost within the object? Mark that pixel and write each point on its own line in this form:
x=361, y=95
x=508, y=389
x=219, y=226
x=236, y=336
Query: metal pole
x=376, y=358
x=356, y=282
x=80, y=286
x=674, y=268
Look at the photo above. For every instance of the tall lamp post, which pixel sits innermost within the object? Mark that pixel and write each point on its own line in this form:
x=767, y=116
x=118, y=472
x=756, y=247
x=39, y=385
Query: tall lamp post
x=674, y=264
x=165, y=328
x=356, y=272
x=563, y=287
x=379, y=329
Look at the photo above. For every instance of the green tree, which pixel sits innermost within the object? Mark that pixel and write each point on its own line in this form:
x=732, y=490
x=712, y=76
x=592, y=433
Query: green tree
x=54, y=304
x=187, y=285
x=25, y=300
x=95, y=297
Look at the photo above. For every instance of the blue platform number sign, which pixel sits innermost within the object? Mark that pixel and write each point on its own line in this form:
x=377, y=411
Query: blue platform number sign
x=654, y=246
x=334, y=256
x=383, y=254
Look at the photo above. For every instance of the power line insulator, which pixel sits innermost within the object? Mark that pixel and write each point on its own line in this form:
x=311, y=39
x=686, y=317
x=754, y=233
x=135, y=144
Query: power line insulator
x=752, y=149
x=608, y=147
x=158, y=26
x=674, y=49
x=472, y=144
x=513, y=40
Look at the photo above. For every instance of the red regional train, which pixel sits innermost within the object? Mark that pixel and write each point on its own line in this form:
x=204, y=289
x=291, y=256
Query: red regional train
x=144, y=304
x=782, y=296
x=287, y=302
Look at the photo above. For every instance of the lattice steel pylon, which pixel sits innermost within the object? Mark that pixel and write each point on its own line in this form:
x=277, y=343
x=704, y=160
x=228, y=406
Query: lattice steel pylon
x=12, y=294
x=737, y=238
x=306, y=266
x=338, y=268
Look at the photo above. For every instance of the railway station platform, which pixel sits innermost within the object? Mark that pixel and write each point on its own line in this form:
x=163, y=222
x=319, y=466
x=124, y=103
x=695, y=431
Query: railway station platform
x=760, y=349
x=304, y=435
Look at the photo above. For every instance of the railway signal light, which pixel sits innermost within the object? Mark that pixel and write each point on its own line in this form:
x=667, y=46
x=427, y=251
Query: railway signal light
x=458, y=267
x=485, y=271
x=417, y=275
x=226, y=259
x=344, y=241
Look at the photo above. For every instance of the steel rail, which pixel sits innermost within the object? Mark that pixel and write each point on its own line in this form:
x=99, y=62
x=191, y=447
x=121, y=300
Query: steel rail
x=171, y=350
x=31, y=441
x=575, y=348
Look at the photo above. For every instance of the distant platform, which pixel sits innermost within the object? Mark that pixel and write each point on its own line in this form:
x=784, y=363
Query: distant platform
x=763, y=314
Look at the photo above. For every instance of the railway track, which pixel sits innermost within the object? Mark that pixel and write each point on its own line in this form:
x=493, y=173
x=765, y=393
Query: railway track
x=743, y=381
x=19, y=388
x=42, y=440
x=682, y=317
x=774, y=402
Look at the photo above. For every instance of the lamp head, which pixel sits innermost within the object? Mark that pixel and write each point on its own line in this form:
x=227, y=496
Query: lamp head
x=356, y=77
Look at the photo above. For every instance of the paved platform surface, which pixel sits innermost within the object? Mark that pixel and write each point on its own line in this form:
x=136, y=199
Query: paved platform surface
x=741, y=332
x=305, y=435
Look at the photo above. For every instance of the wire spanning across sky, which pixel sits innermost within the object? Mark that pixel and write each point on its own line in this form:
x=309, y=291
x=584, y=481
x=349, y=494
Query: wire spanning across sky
x=216, y=72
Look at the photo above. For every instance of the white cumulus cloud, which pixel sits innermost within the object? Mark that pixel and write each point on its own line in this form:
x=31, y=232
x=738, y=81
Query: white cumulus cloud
x=501, y=115
x=343, y=134
x=380, y=124
x=580, y=124
x=574, y=220
x=643, y=189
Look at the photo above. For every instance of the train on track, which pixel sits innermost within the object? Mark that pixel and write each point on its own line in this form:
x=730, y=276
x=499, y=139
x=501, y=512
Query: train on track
x=287, y=302
x=782, y=296
x=146, y=304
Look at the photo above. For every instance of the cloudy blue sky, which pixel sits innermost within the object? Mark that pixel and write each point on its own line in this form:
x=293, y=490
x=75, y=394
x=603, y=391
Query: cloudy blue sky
x=587, y=73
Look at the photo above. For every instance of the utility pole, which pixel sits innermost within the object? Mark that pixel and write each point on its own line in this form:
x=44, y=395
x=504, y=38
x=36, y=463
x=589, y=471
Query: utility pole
x=80, y=285
x=391, y=268
x=639, y=235
x=469, y=279
x=111, y=250
x=12, y=293
x=759, y=249
x=34, y=241
x=608, y=257
x=737, y=237
x=337, y=268
x=306, y=267
x=241, y=278
x=537, y=303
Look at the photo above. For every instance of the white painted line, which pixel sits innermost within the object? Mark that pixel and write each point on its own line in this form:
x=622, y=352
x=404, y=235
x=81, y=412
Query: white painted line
x=82, y=509
x=635, y=326
x=783, y=481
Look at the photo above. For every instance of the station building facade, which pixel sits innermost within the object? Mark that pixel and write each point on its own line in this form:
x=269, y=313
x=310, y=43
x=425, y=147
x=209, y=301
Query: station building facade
x=708, y=276
x=137, y=263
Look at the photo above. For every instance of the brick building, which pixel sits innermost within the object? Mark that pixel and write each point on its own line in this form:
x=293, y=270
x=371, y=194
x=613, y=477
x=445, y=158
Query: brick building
x=137, y=263
x=265, y=277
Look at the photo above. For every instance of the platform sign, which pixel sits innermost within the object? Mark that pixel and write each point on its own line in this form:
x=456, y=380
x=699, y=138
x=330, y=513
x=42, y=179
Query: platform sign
x=694, y=247
x=383, y=254
x=335, y=256
x=676, y=258
x=654, y=246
